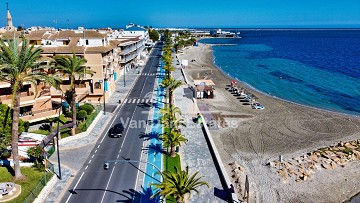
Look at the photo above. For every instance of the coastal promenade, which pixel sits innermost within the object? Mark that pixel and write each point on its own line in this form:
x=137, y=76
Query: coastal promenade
x=196, y=154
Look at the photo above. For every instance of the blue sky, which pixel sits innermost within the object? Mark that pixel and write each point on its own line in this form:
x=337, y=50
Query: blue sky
x=185, y=13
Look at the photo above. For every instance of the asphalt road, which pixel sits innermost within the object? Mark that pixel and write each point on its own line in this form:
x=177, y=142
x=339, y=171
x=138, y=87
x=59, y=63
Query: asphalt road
x=93, y=183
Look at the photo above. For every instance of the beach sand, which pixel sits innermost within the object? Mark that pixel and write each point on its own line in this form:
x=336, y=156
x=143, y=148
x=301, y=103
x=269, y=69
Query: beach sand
x=253, y=138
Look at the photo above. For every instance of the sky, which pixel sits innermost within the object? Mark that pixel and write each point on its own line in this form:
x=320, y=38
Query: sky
x=185, y=13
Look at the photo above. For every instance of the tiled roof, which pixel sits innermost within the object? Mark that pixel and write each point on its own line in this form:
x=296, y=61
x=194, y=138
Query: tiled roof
x=63, y=49
x=36, y=35
x=10, y=34
x=101, y=49
x=66, y=34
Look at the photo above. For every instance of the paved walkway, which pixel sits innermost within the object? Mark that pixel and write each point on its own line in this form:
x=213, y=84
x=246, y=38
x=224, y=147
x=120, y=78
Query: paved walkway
x=196, y=154
x=74, y=154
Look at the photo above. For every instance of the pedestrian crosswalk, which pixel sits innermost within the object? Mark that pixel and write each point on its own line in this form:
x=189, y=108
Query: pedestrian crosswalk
x=136, y=101
x=151, y=74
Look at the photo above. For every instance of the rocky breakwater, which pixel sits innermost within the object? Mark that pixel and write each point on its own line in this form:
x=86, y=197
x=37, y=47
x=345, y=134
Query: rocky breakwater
x=300, y=168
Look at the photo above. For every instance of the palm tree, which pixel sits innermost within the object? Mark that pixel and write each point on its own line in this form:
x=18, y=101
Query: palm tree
x=19, y=66
x=74, y=68
x=171, y=84
x=173, y=139
x=178, y=184
x=170, y=118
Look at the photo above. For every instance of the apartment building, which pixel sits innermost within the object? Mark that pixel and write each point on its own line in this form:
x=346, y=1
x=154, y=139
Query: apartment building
x=107, y=57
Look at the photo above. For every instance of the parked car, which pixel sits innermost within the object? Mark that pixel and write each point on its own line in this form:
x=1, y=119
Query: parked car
x=257, y=106
x=116, y=131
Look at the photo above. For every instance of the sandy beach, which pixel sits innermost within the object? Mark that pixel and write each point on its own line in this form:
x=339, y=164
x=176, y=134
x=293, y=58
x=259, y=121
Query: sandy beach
x=254, y=138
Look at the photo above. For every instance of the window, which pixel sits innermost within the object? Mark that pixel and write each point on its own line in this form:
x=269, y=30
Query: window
x=97, y=85
x=87, y=42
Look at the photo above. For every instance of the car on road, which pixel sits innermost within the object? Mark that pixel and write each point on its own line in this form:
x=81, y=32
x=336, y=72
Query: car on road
x=257, y=106
x=117, y=130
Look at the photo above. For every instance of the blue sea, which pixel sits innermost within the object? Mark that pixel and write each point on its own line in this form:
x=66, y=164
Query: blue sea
x=318, y=68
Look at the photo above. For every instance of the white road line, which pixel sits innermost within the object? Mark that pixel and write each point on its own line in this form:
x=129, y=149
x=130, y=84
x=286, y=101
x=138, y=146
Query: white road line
x=125, y=100
x=95, y=151
x=98, y=146
x=134, y=101
x=92, y=156
x=75, y=187
x=90, y=161
x=86, y=167
x=118, y=156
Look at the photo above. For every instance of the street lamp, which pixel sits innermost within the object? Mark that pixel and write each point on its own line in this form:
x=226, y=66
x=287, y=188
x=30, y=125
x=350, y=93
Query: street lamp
x=105, y=84
x=57, y=136
x=124, y=75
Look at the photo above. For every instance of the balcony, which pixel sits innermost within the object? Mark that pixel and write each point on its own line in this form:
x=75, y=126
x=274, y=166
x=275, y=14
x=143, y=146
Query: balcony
x=25, y=98
x=40, y=115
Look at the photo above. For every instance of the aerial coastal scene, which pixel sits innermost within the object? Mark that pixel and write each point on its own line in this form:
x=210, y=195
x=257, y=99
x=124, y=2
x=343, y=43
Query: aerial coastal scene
x=151, y=102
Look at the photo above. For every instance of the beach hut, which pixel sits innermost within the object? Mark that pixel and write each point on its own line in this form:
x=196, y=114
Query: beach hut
x=204, y=89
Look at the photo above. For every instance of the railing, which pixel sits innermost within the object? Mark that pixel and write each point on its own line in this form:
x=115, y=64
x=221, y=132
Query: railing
x=40, y=114
x=37, y=189
x=88, y=122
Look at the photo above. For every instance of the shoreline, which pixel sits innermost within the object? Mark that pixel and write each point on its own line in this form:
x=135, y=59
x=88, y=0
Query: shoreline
x=282, y=128
x=267, y=94
x=275, y=97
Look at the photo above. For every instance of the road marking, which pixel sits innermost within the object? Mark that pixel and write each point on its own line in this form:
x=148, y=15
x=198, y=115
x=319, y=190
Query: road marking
x=93, y=156
x=134, y=101
x=90, y=161
x=142, y=89
x=98, y=146
x=86, y=167
x=125, y=100
x=95, y=151
x=118, y=156
x=75, y=187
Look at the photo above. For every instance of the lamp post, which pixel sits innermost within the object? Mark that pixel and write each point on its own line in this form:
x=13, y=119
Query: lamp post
x=105, y=83
x=57, y=136
x=124, y=75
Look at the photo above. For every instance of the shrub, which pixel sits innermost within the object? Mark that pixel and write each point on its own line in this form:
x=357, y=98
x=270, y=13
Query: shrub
x=348, y=151
x=88, y=108
x=68, y=114
x=81, y=115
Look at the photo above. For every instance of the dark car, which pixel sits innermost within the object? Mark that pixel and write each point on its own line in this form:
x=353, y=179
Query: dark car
x=117, y=130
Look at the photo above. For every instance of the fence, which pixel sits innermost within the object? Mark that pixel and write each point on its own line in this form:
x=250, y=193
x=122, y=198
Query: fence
x=84, y=126
x=51, y=151
x=37, y=189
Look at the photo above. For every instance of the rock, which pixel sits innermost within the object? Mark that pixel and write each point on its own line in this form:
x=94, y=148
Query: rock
x=357, y=154
x=326, y=166
x=282, y=173
x=333, y=165
x=348, y=145
x=313, y=157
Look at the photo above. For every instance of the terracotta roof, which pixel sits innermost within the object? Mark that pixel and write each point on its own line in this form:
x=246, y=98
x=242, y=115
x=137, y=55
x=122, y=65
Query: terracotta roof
x=36, y=35
x=63, y=49
x=10, y=34
x=93, y=34
x=100, y=49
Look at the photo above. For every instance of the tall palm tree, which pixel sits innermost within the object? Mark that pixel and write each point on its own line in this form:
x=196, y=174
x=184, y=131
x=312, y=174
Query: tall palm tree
x=74, y=68
x=173, y=139
x=170, y=85
x=169, y=117
x=19, y=66
x=178, y=184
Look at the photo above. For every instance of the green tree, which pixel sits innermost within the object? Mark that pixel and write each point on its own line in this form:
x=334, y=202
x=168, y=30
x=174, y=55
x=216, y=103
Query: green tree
x=5, y=126
x=178, y=184
x=153, y=35
x=74, y=68
x=37, y=153
x=173, y=139
x=17, y=67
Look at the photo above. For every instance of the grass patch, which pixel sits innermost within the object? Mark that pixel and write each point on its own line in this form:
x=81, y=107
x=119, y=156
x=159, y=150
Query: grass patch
x=33, y=177
x=172, y=161
x=41, y=132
